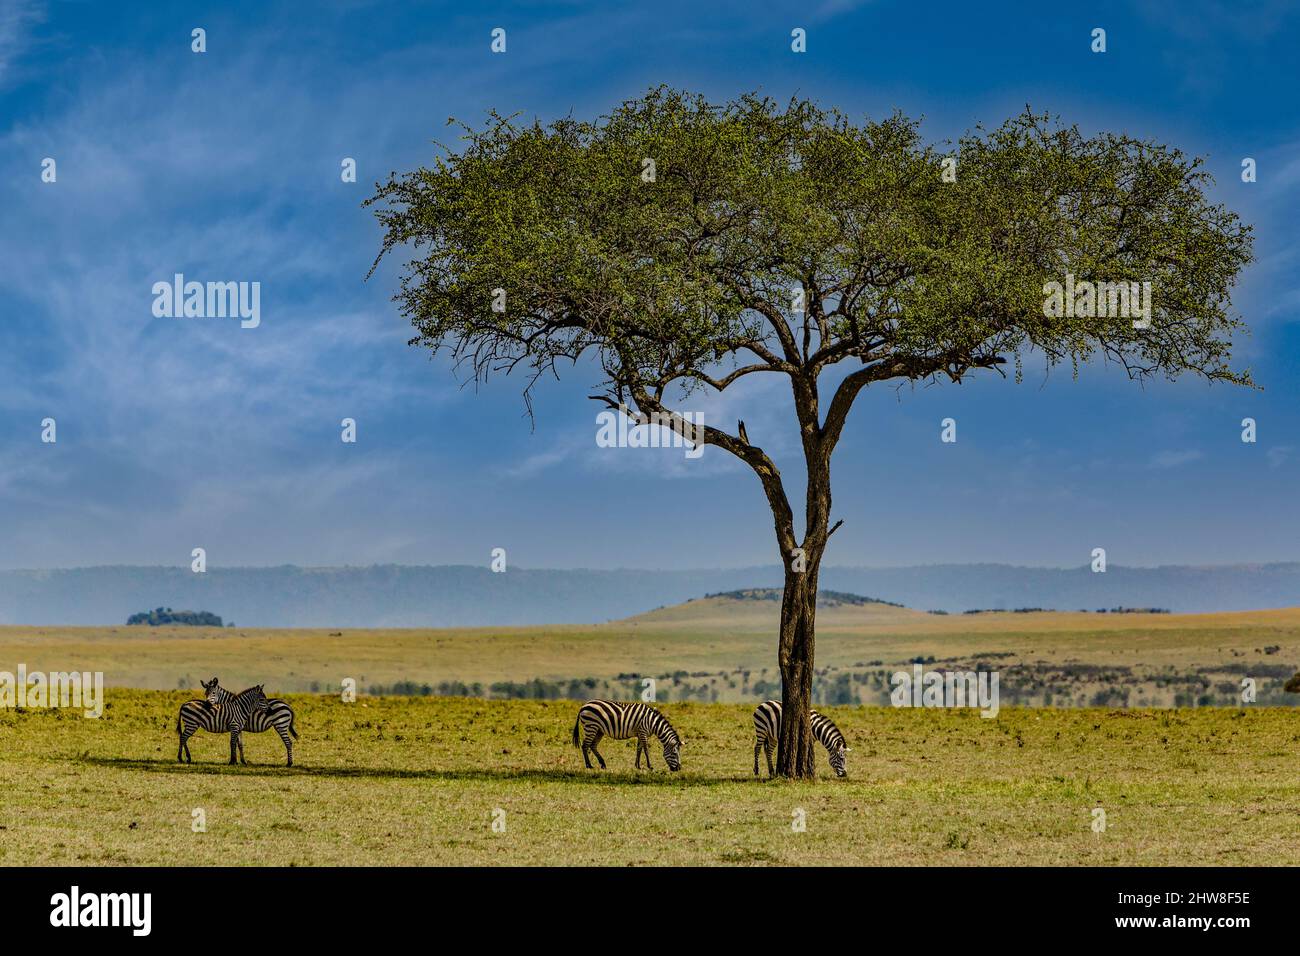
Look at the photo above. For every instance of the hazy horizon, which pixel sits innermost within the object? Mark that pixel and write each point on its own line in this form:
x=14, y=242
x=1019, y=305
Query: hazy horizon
x=472, y=595
x=683, y=570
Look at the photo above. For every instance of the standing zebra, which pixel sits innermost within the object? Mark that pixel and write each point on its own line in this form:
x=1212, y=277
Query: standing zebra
x=767, y=730
x=232, y=716
x=619, y=721
x=278, y=714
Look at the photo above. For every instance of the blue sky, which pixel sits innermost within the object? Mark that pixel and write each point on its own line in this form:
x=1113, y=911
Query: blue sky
x=176, y=434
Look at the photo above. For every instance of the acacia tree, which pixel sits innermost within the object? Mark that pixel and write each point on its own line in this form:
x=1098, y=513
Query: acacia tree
x=686, y=246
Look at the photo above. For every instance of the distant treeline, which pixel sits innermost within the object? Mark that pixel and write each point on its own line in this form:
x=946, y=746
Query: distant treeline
x=678, y=686
x=165, y=615
x=1022, y=684
x=1045, y=610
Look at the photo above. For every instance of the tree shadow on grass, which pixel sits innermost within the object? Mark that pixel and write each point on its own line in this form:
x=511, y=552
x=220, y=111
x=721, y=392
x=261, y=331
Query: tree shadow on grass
x=661, y=778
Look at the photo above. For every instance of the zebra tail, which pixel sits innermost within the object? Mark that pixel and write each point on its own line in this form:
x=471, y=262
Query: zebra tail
x=292, y=719
x=576, y=724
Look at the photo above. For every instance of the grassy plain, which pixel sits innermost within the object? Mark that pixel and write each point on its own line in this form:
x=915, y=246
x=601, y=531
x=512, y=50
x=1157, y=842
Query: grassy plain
x=393, y=780
x=728, y=644
x=714, y=649
x=398, y=781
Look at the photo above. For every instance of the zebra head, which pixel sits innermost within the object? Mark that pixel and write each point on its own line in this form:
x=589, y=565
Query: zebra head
x=260, y=702
x=673, y=753
x=211, y=691
x=837, y=760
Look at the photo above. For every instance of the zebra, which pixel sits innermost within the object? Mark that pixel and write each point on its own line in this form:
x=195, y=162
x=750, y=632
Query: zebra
x=767, y=730
x=232, y=716
x=278, y=714
x=619, y=721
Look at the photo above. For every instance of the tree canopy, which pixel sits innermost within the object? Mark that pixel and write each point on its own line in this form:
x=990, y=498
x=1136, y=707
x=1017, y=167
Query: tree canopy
x=902, y=272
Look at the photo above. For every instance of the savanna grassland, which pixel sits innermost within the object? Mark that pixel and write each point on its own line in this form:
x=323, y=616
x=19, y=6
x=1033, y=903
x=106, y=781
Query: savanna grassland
x=399, y=781
x=712, y=650
x=415, y=778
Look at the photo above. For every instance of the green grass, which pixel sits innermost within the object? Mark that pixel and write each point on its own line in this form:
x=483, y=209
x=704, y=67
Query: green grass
x=407, y=781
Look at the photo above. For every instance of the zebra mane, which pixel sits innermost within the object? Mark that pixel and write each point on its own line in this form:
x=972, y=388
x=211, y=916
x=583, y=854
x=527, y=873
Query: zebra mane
x=667, y=731
x=830, y=734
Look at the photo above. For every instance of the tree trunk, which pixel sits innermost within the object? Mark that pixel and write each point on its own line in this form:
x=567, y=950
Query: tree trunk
x=795, y=755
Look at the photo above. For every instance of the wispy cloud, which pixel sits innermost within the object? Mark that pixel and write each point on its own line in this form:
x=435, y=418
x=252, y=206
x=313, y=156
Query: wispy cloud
x=17, y=18
x=1175, y=458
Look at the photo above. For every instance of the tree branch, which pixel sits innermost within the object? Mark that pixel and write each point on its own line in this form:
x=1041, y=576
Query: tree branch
x=757, y=459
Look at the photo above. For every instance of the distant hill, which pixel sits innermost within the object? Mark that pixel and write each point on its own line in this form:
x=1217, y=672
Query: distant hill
x=459, y=595
x=759, y=609
x=824, y=598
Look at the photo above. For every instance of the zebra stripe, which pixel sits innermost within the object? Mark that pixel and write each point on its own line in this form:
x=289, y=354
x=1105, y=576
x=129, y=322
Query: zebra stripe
x=278, y=715
x=619, y=721
x=196, y=715
x=767, y=731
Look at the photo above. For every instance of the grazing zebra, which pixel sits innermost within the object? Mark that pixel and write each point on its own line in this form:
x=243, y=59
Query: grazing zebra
x=278, y=714
x=619, y=721
x=232, y=716
x=767, y=730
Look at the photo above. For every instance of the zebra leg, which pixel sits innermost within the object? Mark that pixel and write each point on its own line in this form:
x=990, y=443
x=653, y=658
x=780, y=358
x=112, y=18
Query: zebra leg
x=595, y=740
x=589, y=737
x=758, y=745
x=640, y=744
x=288, y=746
x=184, y=734
x=767, y=749
x=645, y=745
x=234, y=737
x=239, y=738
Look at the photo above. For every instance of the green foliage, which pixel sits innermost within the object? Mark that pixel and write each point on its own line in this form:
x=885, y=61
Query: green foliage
x=671, y=281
